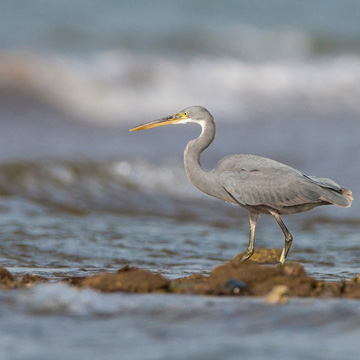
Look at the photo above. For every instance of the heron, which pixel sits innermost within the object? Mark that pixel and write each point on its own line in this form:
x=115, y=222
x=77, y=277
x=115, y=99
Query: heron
x=258, y=184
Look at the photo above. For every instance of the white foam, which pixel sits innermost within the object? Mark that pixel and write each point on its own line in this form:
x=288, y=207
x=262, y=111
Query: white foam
x=63, y=298
x=169, y=179
x=123, y=88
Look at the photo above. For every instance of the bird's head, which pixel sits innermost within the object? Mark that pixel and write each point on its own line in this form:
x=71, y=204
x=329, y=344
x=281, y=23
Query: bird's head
x=192, y=114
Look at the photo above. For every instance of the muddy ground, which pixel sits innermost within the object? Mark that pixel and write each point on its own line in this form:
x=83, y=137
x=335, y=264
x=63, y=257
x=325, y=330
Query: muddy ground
x=260, y=276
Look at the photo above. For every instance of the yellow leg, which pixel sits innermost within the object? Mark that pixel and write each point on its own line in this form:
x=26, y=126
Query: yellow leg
x=250, y=250
x=288, y=237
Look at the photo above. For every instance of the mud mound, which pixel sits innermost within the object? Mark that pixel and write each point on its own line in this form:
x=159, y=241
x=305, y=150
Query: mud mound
x=262, y=277
x=126, y=279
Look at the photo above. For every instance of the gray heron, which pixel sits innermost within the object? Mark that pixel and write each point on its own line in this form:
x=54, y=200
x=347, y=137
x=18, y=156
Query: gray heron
x=259, y=184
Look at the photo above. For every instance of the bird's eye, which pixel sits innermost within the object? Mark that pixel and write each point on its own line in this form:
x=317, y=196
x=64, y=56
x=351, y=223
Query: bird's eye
x=186, y=113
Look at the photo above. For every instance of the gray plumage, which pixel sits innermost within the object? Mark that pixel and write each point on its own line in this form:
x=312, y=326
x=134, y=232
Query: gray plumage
x=261, y=185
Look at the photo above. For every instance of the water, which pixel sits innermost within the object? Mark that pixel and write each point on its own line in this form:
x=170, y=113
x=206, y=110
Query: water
x=159, y=327
x=80, y=194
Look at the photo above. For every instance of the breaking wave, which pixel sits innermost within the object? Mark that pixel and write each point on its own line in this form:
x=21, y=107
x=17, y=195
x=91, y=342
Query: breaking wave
x=129, y=187
x=119, y=87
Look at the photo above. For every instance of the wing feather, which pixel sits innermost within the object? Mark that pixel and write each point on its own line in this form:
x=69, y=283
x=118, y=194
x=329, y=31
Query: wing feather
x=272, y=187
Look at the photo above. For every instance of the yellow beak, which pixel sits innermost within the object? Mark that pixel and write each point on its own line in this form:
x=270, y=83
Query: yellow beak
x=168, y=120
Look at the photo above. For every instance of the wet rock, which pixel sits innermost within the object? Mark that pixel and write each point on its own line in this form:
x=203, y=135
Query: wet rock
x=74, y=280
x=5, y=274
x=262, y=278
x=352, y=290
x=294, y=269
x=127, y=279
x=193, y=284
x=276, y=283
x=31, y=279
x=7, y=280
x=325, y=289
x=263, y=256
x=247, y=272
x=278, y=295
x=235, y=287
x=356, y=279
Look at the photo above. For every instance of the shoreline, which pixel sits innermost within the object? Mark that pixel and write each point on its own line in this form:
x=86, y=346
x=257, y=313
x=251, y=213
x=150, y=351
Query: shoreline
x=260, y=277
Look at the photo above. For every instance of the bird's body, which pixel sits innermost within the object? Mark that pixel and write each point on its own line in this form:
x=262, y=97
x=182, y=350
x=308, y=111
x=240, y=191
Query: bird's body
x=259, y=184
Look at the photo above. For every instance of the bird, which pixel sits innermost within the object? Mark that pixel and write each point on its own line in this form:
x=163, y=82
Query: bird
x=258, y=184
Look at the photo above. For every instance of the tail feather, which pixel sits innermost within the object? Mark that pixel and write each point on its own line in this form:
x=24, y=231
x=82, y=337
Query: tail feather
x=342, y=197
x=333, y=192
x=348, y=195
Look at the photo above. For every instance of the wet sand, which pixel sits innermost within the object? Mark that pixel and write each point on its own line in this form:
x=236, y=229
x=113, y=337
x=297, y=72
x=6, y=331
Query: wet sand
x=260, y=276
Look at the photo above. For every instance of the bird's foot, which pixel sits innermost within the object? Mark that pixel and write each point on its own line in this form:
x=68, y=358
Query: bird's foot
x=247, y=255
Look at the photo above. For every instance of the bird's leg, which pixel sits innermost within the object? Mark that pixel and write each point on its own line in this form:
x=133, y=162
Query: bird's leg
x=288, y=237
x=250, y=250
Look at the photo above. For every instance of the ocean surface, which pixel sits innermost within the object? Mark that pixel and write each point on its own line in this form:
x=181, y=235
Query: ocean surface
x=80, y=194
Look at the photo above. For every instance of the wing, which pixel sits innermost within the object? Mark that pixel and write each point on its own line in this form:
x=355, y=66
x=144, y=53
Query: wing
x=325, y=183
x=269, y=186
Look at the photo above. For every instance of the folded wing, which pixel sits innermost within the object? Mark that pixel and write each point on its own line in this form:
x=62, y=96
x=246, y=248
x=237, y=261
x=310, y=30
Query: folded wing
x=280, y=187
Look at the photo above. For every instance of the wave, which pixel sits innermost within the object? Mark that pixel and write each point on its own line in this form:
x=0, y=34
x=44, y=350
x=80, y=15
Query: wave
x=120, y=88
x=121, y=186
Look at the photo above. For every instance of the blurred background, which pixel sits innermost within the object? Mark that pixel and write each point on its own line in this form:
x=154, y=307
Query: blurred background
x=116, y=62
x=282, y=79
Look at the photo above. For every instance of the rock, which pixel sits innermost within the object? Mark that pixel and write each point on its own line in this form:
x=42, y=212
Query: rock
x=278, y=295
x=126, y=279
x=193, y=284
x=262, y=278
x=263, y=256
x=29, y=280
x=248, y=272
x=7, y=280
x=293, y=269
x=235, y=287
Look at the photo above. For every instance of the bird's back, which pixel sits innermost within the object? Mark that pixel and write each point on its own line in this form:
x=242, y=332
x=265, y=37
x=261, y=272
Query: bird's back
x=261, y=183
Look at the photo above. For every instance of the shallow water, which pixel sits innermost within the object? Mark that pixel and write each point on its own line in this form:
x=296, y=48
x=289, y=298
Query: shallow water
x=92, y=325
x=35, y=238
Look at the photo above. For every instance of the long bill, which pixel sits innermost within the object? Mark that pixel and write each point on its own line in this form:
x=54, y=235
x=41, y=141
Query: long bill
x=168, y=120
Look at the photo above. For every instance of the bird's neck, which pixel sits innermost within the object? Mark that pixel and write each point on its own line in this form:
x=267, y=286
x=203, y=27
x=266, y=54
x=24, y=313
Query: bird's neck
x=197, y=175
